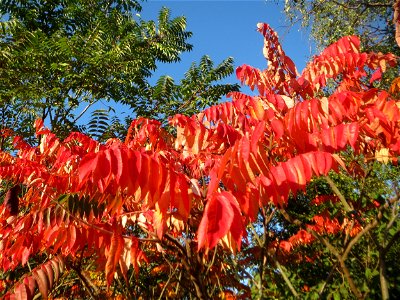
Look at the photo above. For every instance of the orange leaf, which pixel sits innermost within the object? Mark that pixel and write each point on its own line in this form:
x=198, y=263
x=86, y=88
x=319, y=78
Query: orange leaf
x=114, y=255
x=395, y=86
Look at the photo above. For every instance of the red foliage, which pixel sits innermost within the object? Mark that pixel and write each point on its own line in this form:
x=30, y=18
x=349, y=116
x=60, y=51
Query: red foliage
x=222, y=166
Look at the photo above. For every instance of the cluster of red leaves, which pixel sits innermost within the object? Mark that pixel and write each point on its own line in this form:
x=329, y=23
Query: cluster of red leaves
x=222, y=165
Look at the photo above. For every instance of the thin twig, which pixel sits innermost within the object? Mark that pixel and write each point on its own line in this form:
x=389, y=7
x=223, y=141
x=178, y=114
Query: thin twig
x=327, y=279
x=212, y=261
x=171, y=273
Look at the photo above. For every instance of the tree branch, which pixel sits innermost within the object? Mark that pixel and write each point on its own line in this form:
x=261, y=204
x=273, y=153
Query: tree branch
x=86, y=282
x=286, y=278
x=382, y=276
x=343, y=266
x=342, y=199
x=357, y=237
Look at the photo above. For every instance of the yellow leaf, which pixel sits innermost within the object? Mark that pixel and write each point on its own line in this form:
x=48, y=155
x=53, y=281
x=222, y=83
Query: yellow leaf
x=289, y=101
x=382, y=155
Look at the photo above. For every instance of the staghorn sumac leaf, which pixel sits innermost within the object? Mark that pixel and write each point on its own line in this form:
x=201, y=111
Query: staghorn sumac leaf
x=237, y=229
x=257, y=136
x=43, y=277
x=102, y=170
x=377, y=75
x=277, y=127
x=395, y=86
x=244, y=150
x=294, y=174
x=136, y=254
x=26, y=253
x=71, y=236
x=42, y=282
x=257, y=110
x=159, y=221
x=214, y=178
x=22, y=293
x=144, y=173
x=182, y=200
x=30, y=284
x=291, y=174
x=49, y=272
x=56, y=269
x=87, y=165
x=217, y=220
x=125, y=259
x=39, y=126
x=117, y=162
x=114, y=255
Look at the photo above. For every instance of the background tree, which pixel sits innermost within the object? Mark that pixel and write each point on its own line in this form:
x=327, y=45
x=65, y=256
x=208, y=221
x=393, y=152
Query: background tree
x=372, y=21
x=59, y=58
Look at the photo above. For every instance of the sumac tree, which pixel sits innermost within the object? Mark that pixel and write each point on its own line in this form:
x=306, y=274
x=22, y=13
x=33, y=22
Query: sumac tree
x=249, y=197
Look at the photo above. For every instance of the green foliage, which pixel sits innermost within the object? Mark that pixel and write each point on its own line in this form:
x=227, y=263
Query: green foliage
x=330, y=20
x=312, y=269
x=197, y=90
x=99, y=123
x=59, y=58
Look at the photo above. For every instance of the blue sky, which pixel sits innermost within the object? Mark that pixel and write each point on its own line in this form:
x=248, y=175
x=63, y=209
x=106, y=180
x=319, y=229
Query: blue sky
x=228, y=28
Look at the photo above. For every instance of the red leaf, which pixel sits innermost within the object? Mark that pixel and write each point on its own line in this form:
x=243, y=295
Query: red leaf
x=39, y=125
x=71, y=236
x=117, y=165
x=154, y=183
x=30, y=283
x=244, y=150
x=42, y=281
x=102, y=171
x=285, y=245
x=86, y=167
x=21, y=293
x=134, y=256
x=376, y=76
x=257, y=135
x=58, y=267
x=182, y=201
x=216, y=222
x=143, y=165
x=50, y=274
x=277, y=127
x=217, y=172
x=237, y=227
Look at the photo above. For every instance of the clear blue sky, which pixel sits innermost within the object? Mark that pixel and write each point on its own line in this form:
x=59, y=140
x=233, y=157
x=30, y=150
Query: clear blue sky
x=228, y=28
